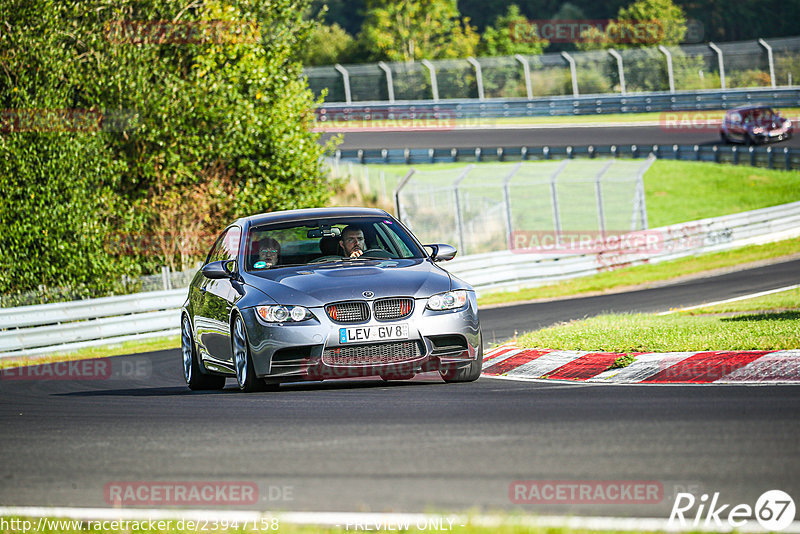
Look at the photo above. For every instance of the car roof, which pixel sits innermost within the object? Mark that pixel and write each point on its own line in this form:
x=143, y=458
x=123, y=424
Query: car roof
x=309, y=213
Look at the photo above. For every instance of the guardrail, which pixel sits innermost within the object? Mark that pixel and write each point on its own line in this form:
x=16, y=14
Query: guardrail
x=447, y=110
x=509, y=271
x=63, y=326
x=771, y=157
x=47, y=328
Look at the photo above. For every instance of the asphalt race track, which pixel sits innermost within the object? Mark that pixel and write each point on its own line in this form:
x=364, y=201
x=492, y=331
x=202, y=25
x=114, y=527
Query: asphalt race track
x=362, y=445
x=538, y=136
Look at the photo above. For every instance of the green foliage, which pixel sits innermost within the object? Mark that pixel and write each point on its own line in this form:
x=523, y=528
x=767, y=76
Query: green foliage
x=416, y=29
x=500, y=39
x=327, y=45
x=216, y=126
x=644, y=22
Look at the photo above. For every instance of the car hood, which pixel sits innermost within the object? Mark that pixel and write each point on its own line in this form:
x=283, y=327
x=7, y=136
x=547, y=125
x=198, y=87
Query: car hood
x=317, y=285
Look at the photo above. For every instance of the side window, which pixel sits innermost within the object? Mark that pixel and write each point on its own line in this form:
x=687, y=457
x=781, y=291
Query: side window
x=230, y=243
x=227, y=246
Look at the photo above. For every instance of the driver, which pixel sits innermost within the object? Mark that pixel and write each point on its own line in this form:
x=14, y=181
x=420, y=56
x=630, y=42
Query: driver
x=353, y=243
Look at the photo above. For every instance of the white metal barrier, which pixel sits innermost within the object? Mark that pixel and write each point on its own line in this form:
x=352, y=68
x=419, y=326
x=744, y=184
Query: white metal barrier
x=63, y=326
x=46, y=328
x=509, y=271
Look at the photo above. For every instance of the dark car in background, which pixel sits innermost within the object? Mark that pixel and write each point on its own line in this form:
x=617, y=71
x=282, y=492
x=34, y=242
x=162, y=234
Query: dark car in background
x=277, y=300
x=754, y=125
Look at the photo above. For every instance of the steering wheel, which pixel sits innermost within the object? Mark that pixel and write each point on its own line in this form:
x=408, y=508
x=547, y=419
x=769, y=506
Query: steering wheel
x=323, y=259
x=376, y=253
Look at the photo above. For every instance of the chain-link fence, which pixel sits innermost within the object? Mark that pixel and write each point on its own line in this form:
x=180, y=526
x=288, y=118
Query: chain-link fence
x=551, y=206
x=740, y=64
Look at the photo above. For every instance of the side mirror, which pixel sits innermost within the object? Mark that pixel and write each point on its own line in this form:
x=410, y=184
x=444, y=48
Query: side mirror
x=219, y=269
x=442, y=252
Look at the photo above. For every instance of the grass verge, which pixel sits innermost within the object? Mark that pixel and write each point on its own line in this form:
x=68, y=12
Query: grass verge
x=771, y=322
x=629, y=277
x=672, y=333
x=104, y=351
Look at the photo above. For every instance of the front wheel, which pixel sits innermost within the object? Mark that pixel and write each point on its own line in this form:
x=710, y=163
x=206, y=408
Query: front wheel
x=195, y=379
x=469, y=373
x=243, y=361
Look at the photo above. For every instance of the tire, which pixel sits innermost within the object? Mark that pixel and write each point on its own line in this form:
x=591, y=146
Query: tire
x=192, y=371
x=243, y=361
x=469, y=373
x=724, y=138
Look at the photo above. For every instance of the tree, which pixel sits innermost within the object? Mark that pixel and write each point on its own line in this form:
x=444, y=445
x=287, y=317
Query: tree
x=327, y=45
x=642, y=23
x=408, y=30
x=504, y=39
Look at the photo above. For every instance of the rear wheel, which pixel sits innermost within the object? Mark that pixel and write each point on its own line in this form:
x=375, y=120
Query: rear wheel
x=469, y=373
x=724, y=138
x=243, y=362
x=195, y=379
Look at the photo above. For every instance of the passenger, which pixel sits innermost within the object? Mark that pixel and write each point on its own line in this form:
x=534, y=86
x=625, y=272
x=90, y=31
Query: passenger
x=268, y=253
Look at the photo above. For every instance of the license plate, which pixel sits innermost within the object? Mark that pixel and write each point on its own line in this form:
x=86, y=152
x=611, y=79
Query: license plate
x=364, y=334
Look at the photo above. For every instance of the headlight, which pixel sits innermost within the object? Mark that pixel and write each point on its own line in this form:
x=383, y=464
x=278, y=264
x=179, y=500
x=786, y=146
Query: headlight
x=448, y=301
x=787, y=124
x=283, y=314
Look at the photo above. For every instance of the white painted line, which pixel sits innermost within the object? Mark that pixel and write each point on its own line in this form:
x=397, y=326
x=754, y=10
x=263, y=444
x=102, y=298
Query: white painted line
x=735, y=299
x=382, y=520
x=642, y=367
x=546, y=363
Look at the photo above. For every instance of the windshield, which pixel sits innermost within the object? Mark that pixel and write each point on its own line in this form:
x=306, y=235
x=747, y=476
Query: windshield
x=328, y=240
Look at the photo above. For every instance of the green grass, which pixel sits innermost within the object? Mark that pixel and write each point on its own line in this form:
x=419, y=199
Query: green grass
x=670, y=333
x=783, y=301
x=647, y=274
x=104, y=351
x=681, y=191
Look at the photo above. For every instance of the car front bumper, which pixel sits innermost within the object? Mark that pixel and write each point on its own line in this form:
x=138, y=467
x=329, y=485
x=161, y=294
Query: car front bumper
x=313, y=350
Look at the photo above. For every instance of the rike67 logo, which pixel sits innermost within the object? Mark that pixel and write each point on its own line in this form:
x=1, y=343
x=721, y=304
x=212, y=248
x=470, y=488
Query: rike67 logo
x=774, y=510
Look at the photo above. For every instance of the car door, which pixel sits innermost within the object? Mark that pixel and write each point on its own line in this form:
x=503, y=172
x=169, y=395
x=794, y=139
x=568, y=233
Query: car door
x=219, y=295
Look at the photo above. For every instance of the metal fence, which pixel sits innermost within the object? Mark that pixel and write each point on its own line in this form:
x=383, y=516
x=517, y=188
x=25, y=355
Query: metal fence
x=511, y=271
x=730, y=65
x=505, y=206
